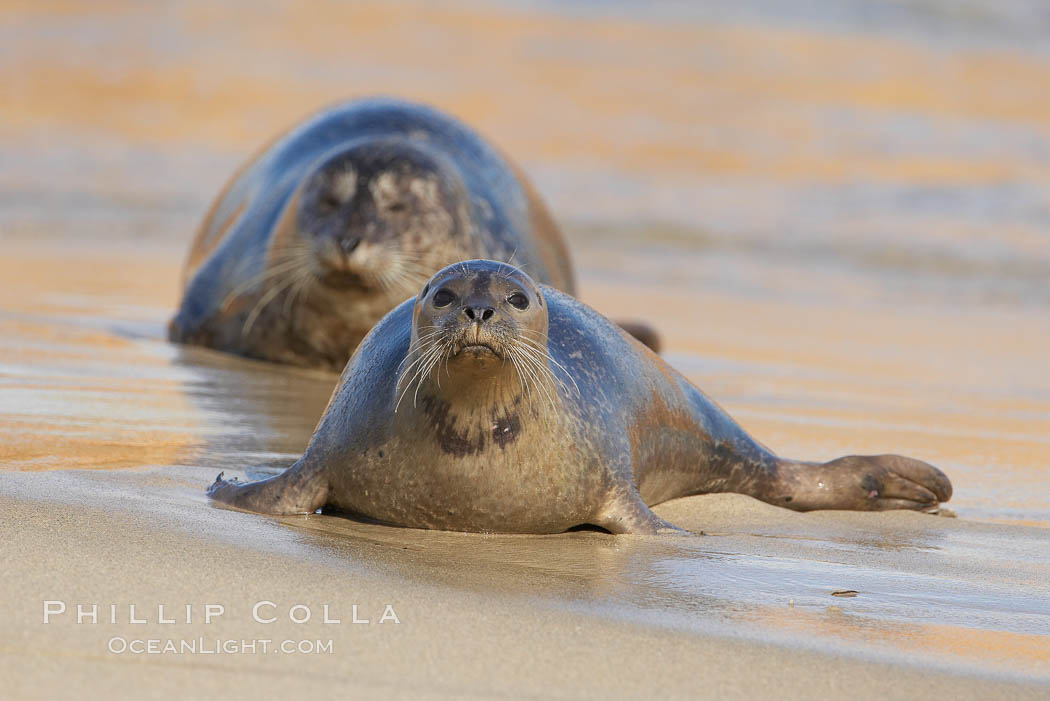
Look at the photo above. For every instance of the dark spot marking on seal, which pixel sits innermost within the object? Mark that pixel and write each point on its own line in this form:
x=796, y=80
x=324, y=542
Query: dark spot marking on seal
x=505, y=429
x=456, y=443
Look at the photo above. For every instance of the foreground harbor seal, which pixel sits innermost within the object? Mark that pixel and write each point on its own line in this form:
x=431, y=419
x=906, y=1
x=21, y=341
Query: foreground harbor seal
x=490, y=403
x=344, y=217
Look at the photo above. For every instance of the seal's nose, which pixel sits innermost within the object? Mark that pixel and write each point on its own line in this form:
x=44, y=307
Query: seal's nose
x=479, y=314
x=348, y=245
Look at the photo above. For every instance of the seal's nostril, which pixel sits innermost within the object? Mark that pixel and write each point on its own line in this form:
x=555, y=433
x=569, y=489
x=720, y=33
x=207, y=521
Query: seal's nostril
x=348, y=244
x=469, y=312
x=486, y=315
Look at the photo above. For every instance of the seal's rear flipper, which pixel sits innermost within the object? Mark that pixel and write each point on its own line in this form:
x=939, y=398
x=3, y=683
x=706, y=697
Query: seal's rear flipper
x=291, y=492
x=644, y=333
x=861, y=483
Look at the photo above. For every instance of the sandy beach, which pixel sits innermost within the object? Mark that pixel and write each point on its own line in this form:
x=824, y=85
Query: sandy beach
x=743, y=612
x=838, y=225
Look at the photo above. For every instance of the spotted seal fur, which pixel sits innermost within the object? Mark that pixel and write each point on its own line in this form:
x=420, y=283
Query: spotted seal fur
x=341, y=219
x=491, y=403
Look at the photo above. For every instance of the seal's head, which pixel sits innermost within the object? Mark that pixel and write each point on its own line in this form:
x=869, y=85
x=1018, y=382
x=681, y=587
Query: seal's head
x=478, y=318
x=381, y=215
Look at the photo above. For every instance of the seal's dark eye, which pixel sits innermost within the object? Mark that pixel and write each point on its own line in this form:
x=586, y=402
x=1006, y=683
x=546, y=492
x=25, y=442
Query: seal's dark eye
x=443, y=298
x=397, y=207
x=518, y=301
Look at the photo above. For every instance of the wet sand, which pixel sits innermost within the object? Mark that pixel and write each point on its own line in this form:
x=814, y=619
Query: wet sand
x=737, y=614
x=957, y=605
x=839, y=228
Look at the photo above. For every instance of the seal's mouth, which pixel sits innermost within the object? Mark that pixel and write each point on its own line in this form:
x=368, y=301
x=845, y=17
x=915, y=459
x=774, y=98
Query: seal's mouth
x=478, y=350
x=476, y=341
x=343, y=279
x=347, y=268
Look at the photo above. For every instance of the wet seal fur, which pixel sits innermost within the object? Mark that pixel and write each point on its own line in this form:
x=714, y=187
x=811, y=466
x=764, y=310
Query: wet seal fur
x=341, y=219
x=490, y=403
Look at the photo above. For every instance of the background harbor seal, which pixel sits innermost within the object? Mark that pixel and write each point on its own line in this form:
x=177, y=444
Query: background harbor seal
x=490, y=403
x=338, y=221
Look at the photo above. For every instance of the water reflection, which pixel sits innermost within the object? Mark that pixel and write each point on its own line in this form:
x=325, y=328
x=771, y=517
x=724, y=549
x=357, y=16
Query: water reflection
x=839, y=225
x=738, y=584
x=89, y=381
x=258, y=416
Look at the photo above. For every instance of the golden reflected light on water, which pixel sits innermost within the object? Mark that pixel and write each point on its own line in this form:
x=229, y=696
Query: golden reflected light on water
x=842, y=231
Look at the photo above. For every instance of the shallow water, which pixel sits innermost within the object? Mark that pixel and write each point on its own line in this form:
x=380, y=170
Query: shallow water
x=837, y=219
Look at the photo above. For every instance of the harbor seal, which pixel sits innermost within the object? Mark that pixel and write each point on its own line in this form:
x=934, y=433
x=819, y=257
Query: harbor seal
x=490, y=403
x=344, y=217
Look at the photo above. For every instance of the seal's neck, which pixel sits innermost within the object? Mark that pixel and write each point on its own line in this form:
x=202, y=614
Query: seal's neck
x=466, y=416
x=474, y=386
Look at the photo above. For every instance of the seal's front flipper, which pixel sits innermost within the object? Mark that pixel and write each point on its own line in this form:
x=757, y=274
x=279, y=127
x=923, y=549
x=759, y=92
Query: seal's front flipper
x=294, y=491
x=627, y=513
x=644, y=333
x=861, y=483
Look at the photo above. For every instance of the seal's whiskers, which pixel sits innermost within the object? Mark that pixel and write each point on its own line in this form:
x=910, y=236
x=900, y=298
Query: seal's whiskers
x=427, y=356
x=270, y=295
x=533, y=368
x=291, y=270
x=272, y=271
x=542, y=349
